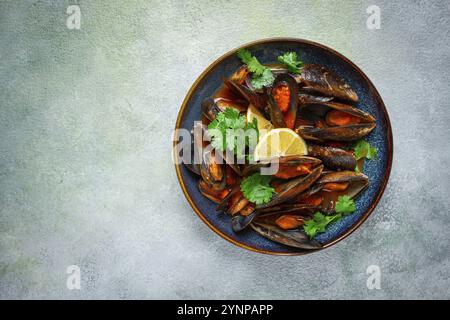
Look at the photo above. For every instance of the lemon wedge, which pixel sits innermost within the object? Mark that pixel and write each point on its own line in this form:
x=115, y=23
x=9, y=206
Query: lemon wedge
x=264, y=125
x=280, y=142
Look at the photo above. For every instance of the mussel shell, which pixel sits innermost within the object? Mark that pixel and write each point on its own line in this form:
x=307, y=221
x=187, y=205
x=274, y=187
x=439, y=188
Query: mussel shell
x=230, y=161
x=252, y=97
x=317, y=78
x=304, y=99
x=212, y=107
x=223, y=204
x=358, y=181
x=196, y=149
x=238, y=205
x=333, y=158
x=208, y=158
x=208, y=192
x=317, y=109
x=340, y=133
x=294, y=187
x=240, y=222
x=240, y=75
x=293, y=238
x=282, y=161
x=276, y=116
x=290, y=208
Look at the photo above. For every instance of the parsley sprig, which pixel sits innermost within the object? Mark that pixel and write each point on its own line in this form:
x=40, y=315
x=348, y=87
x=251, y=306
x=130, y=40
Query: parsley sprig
x=319, y=223
x=291, y=60
x=227, y=129
x=256, y=188
x=262, y=76
x=364, y=150
x=344, y=206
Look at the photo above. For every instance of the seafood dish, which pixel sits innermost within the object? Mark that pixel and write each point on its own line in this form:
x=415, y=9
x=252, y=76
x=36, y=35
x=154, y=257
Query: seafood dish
x=280, y=148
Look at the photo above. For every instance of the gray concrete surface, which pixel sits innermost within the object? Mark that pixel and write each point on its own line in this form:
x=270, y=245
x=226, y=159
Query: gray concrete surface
x=86, y=174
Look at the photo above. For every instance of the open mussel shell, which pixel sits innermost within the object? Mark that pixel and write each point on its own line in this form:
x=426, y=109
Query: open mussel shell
x=333, y=158
x=252, y=97
x=240, y=75
x=277, y=117
x=321, y=108
x=239, y=222
x=319, y=111
x=213, y=170
x=343, y=133
x=316, y=78
x=282, y=161
x=212, y=107
x=216, y=196
x=294, y=238
x=357, y=181
x=293, y=187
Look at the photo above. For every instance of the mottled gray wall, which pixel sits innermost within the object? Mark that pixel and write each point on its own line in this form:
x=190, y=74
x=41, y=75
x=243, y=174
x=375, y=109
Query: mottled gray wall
x=85, y=169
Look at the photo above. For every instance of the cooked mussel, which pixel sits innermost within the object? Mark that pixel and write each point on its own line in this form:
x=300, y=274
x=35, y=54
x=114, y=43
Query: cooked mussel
x=335, y=121
x=212, y=107
x=243, y=219
x=216, y=196
x=283, y=101
x=288, y=190
x=350, y=183
x=213, y=170
x=259, y=100
x=288, y=167
x=304, y=98
x=293, y=238
x=333, y=158
x=318, y=79
x=287, y=210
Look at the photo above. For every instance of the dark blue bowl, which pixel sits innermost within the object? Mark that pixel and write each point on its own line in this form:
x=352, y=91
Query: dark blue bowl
x=370, y=101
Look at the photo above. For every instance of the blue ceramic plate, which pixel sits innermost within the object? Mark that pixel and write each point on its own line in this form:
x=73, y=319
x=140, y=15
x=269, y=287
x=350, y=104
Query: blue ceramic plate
x=370, y=101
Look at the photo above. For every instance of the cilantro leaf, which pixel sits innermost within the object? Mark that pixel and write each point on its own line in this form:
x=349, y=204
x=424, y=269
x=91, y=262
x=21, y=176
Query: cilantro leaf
x=345, y=205
x=262, y=76
x=263, y=80
x=364, y=150
x=252, y=63
x=228, y=131
x=256, y=188
x=291, y=61
x=319, y=223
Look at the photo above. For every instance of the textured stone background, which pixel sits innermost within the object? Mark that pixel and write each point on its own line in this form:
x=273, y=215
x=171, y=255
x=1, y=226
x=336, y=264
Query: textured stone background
x=85, y=169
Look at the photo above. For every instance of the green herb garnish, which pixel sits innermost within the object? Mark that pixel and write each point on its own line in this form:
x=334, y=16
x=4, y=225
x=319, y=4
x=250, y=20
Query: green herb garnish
x=262, y=76
x=227, y=129
x=318, y=223
x=256, y=188
x=345, y=205
x=291, y=61
x=364, y=150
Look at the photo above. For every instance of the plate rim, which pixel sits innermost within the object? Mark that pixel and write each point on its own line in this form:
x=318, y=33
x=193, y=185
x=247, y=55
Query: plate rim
x=355, y=225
